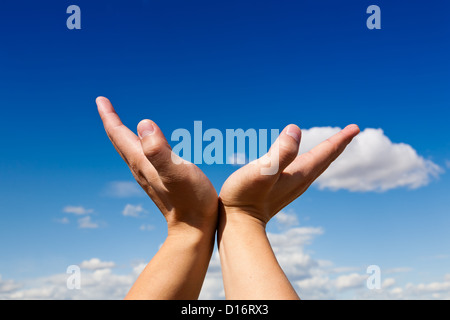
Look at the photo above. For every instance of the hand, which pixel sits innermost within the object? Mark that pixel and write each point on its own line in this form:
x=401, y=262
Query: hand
x=186, y=198
x=248, y=191
x=250, y=198
x=181, y=191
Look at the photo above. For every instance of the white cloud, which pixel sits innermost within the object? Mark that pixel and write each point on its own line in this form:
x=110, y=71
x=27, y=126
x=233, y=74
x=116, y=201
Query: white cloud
x=312, y=278
x=138, y=268
x=432, y=290
x=320, y=279
x=124, y=189
x=146, y=227
x=372, y=162
x=84, y=222
x=212, y=288
x=294, y=238
x=77, y=210
x=350, y=281
x=133, y=211
x=387, y=283
x=289, y=249
x=98, y=281
x=286, y=219
x=96, y=264
x=95, y=285
x=7, y=286
x=87, y=223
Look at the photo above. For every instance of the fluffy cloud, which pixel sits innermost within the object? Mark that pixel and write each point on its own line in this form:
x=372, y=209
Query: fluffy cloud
x=133, y=211
x=387, y=283
x=372, y=162
x=98, y=281
x=289, y=249
x=432, y=290
x=320, y=279
x=87, y=223
x=213, y=284
x=84, y=222
x=350, y=281
x=123, y=189
x=96, y=264
x=7, y=286
x=311, y=277
x=77, y=210
x=286, y=219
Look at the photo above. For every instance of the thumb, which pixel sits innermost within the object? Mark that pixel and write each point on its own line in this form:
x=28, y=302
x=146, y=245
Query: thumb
x=155, y=147
x=283, y=151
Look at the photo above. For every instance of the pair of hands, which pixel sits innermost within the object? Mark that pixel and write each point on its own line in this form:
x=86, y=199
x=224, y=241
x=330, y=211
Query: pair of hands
x=187, y=198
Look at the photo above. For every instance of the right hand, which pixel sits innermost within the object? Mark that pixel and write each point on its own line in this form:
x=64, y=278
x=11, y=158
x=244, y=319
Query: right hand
x=247, y=191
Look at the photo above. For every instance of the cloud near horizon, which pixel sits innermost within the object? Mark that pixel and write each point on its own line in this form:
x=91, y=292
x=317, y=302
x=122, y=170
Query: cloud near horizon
x=96, y=264
x=312, y=278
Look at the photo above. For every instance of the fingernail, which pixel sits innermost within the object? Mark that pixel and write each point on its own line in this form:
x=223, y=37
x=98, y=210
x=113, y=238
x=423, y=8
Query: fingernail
x=145, y=128
x=294, y=132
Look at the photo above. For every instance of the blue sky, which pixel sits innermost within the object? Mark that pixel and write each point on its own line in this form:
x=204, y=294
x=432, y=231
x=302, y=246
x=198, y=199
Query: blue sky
x=230, y=64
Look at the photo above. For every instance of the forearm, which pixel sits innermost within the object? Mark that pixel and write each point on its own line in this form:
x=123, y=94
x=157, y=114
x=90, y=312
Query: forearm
x=177, y=270
x=249, y=266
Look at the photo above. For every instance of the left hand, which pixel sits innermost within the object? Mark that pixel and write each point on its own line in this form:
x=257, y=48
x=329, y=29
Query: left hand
x=182, y=192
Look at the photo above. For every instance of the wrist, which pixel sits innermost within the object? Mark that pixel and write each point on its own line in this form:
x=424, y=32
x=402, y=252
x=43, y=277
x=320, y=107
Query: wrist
x=191, y=233
x=235, y=216
x=236, y=225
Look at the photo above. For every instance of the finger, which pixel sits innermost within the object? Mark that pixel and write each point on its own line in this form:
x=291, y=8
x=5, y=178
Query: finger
x=157, y=149
x=124, y=140
x=312, y=164
x=283, y=151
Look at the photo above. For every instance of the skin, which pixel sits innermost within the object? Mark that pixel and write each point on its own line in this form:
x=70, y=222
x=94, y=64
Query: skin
x=186, y=198
x=193, y=210
x=249, y=199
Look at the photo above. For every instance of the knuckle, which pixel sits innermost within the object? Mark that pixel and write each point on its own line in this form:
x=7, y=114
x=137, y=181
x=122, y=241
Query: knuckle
x=153, y=150
x=334, y=147
x=288, y=150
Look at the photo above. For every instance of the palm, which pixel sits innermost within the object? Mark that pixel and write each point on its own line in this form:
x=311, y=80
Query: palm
x=180, y=189
x=262, y=196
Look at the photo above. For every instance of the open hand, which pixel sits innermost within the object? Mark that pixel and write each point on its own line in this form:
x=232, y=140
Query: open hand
x=181, y=191
x=260, y=195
